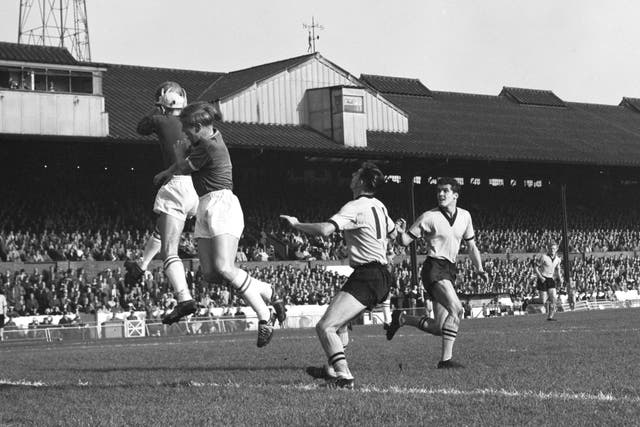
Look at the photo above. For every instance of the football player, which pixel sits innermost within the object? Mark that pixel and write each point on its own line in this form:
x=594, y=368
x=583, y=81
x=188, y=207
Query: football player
x=175, y=202
x=443, y=228
x=367, y=228
x=219, y=220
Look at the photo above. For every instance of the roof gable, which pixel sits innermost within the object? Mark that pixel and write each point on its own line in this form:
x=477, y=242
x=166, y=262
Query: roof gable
x=36, y=54
x=545, y=98
x=395, y=85
x=231, y=83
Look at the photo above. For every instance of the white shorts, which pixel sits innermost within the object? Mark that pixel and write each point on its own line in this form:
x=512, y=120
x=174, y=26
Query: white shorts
x=177, y=198
x=219, y=212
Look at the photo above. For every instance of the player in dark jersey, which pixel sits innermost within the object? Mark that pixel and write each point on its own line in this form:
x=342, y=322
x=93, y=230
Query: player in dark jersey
x=175, y=202
x=367, y=228
x=219, y=220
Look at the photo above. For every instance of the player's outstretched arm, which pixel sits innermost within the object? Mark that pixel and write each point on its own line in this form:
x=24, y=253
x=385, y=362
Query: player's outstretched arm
x=316, y=228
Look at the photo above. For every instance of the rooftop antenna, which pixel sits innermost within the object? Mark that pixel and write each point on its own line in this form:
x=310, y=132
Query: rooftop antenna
x=59, y=23
x=311, y=29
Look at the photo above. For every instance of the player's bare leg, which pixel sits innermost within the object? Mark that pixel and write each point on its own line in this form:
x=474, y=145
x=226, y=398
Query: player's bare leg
x=170, y=230
x=431, y=325
x=151, y=248
x=544, y=296
x=327, y=372
x=447, y=311
x=227, y=243
x=342, y=309
x=445, y=295
x=386, y=313
x=217, y=258
x=135, y=268
x=551, y=304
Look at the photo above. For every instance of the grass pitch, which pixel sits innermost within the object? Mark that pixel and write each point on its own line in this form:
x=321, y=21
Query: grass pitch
x=581, y=370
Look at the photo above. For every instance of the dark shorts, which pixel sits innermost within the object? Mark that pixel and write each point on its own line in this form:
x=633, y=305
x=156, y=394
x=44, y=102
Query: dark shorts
x=369, y=284
x=435, y=270
x=1, y=320
x=546, y=284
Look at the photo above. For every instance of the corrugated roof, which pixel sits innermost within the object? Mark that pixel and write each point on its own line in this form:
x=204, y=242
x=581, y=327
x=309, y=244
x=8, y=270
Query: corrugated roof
x=465, y=126
x=395, y=85
x=129, y=93
x=277, y=137
x=533, y=96
x=235, y=81
x=36, y=54
x=446, y=124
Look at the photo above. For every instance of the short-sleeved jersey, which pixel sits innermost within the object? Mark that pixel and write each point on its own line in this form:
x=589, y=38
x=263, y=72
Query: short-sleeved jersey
x=169, y=131
x=442, y=233
x=211, y=164
x=548, y=265
x=366, y=225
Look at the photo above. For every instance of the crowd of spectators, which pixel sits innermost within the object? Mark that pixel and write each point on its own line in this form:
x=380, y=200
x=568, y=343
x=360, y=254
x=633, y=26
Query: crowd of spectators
x=88, y=217
x=45, y=221
x=517, y=226
x=63, y=292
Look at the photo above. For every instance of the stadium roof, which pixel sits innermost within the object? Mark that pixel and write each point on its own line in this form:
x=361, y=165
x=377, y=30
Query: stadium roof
x=529, y=128
x=37, y=54
x=518, y=124
x=464, y=126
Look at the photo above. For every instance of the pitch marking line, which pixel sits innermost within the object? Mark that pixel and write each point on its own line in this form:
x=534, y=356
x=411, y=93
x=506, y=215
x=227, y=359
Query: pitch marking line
x=530, y=394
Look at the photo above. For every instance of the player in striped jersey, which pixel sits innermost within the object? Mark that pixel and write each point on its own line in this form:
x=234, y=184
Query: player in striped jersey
x=367, y=227
x=443, y=228
x=547, y=270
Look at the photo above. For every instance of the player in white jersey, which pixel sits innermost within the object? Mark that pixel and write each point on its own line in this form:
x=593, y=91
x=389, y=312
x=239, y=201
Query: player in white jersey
x=548, y=268
x=367, y=226
x=443, y=228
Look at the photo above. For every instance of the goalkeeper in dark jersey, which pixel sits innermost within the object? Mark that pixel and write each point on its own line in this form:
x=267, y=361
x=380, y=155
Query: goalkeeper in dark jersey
x=175, y=202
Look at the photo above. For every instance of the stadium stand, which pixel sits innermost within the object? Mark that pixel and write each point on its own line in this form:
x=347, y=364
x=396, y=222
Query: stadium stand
x=81, y=182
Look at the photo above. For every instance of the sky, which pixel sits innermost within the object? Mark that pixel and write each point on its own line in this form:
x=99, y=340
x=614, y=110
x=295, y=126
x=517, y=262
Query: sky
x=582, y=50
